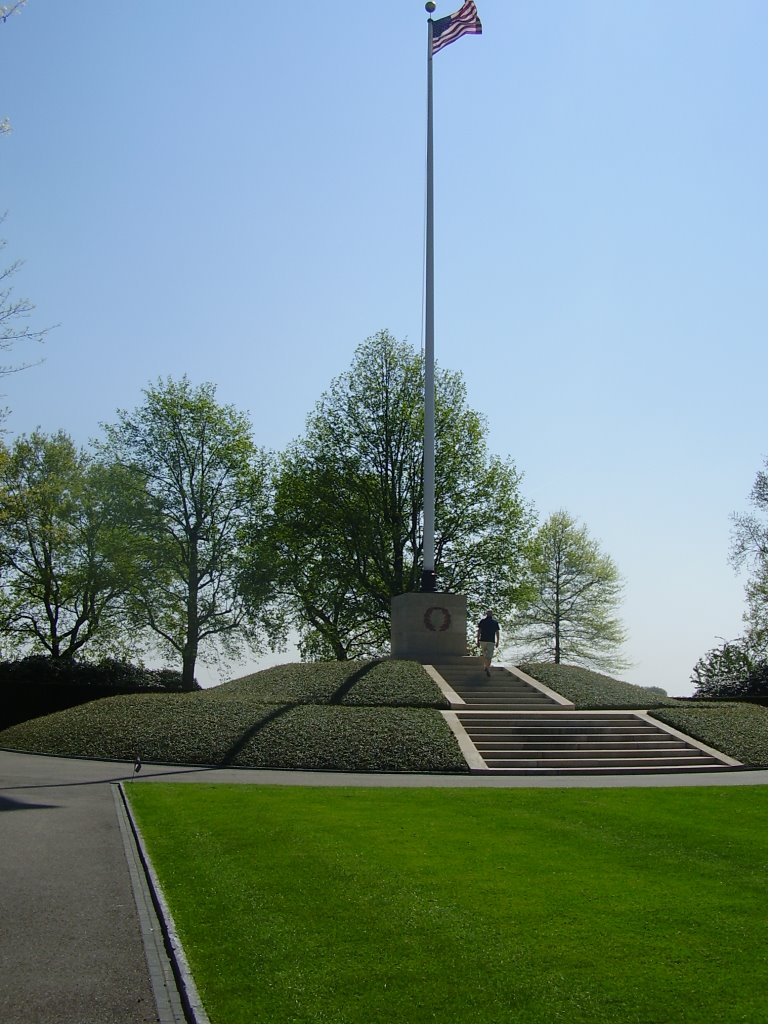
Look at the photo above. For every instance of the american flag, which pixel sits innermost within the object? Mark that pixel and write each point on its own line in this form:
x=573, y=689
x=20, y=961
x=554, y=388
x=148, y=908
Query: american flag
x=463, y=22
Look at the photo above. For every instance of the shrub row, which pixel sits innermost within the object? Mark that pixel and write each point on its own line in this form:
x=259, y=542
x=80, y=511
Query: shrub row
x=39, y=686
x=739, y=730
x=589, y=689
x=39, y=670
x=232, y=725
x=734, y=669
x=350, y=683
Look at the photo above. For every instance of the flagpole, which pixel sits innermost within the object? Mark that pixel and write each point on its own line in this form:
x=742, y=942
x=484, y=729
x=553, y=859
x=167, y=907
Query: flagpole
x=428, y=544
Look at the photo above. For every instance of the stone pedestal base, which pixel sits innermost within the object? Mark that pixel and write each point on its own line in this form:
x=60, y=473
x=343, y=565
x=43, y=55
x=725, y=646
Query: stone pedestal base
x=430, y=628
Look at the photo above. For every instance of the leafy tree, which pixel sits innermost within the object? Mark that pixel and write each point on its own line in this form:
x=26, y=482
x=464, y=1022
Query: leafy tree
x=750, y=548
x=205, y=495
x=578, y=589
x=349, y=502
x=64, y=549
x=734, y=669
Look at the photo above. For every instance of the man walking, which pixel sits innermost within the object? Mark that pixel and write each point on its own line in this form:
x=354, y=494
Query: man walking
x=488, y=638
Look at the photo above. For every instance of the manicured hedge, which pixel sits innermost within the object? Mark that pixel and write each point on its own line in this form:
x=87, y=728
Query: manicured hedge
x=39, y=670
x=36, y=686
x=39, y=685
x=232, y=725
x=351, y=739
x=739, y=730
x=589, y=689
x=367, y=683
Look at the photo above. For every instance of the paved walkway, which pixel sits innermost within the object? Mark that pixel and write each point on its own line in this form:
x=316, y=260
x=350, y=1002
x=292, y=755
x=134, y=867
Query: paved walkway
x=70, y=946
x=74, y=946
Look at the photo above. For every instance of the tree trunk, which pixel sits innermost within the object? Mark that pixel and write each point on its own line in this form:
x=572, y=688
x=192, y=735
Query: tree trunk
x=558, y=582
x=188, y=659
x=189, y=654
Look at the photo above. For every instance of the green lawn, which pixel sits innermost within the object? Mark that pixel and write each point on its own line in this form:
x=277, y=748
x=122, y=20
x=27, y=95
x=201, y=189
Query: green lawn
x=355, y=906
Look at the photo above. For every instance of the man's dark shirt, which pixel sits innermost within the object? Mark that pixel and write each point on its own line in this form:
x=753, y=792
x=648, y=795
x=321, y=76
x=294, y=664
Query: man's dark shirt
x=488, y=629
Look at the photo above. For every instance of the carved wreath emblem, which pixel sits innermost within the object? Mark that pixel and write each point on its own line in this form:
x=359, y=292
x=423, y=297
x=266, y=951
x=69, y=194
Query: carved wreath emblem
x=443, y=622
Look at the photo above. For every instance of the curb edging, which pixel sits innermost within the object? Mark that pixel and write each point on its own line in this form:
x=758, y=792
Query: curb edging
x=192, y=1004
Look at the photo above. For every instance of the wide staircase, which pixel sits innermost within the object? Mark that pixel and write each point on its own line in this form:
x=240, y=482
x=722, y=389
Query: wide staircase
x=502, y=691
x=509, y=723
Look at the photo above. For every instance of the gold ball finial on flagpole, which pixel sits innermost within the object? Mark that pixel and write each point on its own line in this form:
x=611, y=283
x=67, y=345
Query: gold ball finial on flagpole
x=430, y=6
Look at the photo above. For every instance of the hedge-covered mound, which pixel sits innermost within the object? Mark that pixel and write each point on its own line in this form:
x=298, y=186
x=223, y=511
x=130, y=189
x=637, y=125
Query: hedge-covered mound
x=589, y=689
x=739, y=730
x=366, y=683
x=312, y=720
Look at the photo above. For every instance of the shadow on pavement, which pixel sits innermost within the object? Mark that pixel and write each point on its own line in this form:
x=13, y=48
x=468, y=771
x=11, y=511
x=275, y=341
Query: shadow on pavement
x=7, y=803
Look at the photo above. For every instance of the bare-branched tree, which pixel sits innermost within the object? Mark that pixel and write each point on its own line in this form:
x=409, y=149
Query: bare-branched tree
x=14, y=314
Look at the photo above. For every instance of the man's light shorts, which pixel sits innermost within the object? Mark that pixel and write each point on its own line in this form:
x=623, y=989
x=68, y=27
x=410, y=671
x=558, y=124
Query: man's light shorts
x=487, y=647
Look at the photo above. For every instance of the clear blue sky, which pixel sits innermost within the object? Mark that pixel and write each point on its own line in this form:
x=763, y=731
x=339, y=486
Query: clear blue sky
x=235, y=191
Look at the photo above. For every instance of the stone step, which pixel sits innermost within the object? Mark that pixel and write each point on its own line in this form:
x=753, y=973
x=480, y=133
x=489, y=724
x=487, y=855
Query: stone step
x=559, y=715
x=544, y=718
x=502, y=691
x=483, y=701
x=492, y=704
x=531, y=702
x=560, y=718
x=498, y=686
x=577, y=740
x=516, y=728
x=618, y=761
x=492, y=745
x=652, y=743
x=472, y=665
x=499, y=694
x=578, y=755
x=498, y=675
x=477, y=673
x=499, y=691
x=652, y=768
x=555, y=729
x=495, y=688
